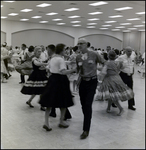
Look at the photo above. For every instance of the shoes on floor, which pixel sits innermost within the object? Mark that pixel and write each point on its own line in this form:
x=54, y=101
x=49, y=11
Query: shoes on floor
x=84, y=135
x=108, y=111
x=28, y=103
x=46, y=128
x=121, y=112
x=132, y=108
x=52, y=115
x=63, y=125
x=43, y=109
x=113, y=105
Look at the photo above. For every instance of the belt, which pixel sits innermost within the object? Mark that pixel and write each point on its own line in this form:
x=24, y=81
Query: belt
x=89, y=78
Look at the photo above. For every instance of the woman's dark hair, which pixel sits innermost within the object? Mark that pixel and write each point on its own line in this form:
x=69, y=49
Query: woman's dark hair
x=88, y=44
x=31, y=48
x=117, y=51
x=52, y=47
x=59, y=48
x=75, y=48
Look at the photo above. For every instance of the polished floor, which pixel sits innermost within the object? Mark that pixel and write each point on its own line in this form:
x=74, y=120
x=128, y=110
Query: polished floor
x=21, y=126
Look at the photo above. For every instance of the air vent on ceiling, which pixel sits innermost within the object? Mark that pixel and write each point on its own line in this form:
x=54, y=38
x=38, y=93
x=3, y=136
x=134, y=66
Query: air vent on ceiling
x=73, y=4
x=118, y=11
x=40, y=12
x=97, y=8
x=11, y=8
x=62, y=15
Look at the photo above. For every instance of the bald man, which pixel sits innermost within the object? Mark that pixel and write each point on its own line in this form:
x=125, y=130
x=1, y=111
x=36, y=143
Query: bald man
x=87, y=68
x=127, y=72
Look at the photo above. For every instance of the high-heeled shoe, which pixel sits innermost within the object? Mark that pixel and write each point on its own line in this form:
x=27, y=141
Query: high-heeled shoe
x=121, y=112
x=28, y=103
x=47, y=129
x=43, y=109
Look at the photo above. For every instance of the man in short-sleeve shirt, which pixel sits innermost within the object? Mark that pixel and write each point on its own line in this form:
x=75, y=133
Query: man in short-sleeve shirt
x=87, y=68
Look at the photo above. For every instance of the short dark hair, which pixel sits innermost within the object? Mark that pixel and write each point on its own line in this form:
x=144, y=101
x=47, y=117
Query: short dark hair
x=31, y=48
x=88, y=44
x=59, y=48
x=75, y=48
x=24, y=45
x=52, y=47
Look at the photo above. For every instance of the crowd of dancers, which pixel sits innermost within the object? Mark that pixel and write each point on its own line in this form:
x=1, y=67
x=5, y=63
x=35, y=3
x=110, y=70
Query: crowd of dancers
x=51, y=69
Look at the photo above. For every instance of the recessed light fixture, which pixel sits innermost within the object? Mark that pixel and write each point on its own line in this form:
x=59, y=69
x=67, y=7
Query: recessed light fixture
x=142, y=30
x=98, y=3
x=71, y=9
x=95, y=13
x=3, y=17
x=138, y=25
x=143, y=22
x=91, y=23
x=9, y=1
x=106, y=25
x=26, y=10
x=76, y=25
x=73, y=16
x=115, y=29
x=110, y=21
x=35, y=17
x=133, y=19
x=43, y=5
x=24, y=19
x=61, y=23
x=1, y=5
x=123, y=8
x=75, y=21
x=140, y=13
x=103, y=28
x=132, y=28
x=90, y=27
x=43, y=22
x=117, y=16
x=120, y=27
x=52, y=13
x=56, y=19
x=123, y=24
x=93, y=19
x=126, y=30
x=13, y=14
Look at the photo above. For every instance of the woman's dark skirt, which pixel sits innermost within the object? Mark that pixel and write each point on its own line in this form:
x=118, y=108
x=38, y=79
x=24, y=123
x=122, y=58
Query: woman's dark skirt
x=57, y=93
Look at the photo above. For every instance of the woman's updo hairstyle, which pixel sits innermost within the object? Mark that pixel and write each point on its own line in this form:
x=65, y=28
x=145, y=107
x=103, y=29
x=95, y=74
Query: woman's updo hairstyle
x=112, y=55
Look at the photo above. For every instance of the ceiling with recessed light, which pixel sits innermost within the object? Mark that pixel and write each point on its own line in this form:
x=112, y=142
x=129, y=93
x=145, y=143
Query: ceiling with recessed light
x=104, y=15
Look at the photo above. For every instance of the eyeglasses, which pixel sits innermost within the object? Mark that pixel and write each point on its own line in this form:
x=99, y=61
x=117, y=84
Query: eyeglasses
x=81, y=43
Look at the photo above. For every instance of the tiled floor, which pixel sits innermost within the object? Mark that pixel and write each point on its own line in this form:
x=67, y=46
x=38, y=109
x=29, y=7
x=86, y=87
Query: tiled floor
x=21, y=126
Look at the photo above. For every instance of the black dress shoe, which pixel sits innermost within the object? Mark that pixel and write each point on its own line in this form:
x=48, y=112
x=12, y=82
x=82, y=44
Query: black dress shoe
x=132, y=108
x=67, y=118
x=84, y=135
x=47, y=129
x=52, y=115
x=113, y=105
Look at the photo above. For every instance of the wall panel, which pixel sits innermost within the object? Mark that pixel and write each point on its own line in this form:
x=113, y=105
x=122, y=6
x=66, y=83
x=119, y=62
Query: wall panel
x=3, y=37
x=41, y=37
x=101, y=41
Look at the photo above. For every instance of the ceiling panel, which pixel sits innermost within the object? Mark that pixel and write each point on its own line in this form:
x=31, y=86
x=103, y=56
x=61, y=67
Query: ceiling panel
x=84, y=9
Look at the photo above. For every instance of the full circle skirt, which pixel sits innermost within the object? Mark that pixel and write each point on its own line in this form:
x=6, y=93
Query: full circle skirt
x=57, y=92
x=115, y=89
